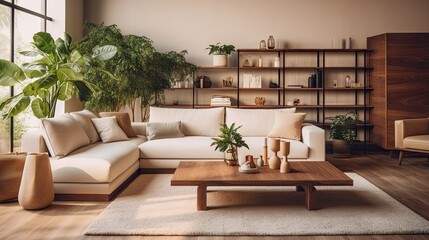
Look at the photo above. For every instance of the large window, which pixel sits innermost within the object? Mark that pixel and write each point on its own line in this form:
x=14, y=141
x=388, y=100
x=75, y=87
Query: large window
x=19, y=21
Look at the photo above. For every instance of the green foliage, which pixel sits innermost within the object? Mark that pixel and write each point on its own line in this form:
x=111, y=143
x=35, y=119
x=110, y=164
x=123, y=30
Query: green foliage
x=220, y=49
x=55, y=72
x=344, y=127
x=229, y=138
x=138, y=69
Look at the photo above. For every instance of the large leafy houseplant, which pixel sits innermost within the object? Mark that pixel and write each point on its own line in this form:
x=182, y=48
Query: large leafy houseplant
x=140, y=71
x=343, y=132
x=228, y=142
x=55, y=71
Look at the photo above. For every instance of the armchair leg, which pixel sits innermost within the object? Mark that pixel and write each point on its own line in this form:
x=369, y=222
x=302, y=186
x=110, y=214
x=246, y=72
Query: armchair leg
x=401, y=155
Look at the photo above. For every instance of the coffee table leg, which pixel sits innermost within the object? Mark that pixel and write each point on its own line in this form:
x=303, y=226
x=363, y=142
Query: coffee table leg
x=201, y=198
x=310, y=197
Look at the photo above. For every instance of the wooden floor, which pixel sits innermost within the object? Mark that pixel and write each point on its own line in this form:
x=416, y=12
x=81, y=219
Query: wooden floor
x=408, y=183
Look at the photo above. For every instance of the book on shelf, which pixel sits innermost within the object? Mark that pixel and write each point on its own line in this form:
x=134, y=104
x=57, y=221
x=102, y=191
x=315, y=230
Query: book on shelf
x=252, y=81
x=220, y=101
x=294, y=86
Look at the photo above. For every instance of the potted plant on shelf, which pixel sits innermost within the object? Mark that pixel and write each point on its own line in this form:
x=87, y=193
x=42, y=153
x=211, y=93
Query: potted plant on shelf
x=220, y=53
x=343, y=132
x=228, y=142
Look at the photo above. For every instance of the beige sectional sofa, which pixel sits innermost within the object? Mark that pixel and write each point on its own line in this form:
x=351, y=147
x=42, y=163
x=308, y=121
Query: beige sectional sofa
x=99, y=170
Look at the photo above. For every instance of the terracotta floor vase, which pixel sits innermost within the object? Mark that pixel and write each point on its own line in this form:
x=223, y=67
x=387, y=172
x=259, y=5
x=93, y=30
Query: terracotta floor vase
x=11, y=166
x=37, y=187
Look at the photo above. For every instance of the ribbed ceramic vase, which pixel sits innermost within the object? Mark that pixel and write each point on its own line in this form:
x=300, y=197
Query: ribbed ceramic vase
x=37, y=187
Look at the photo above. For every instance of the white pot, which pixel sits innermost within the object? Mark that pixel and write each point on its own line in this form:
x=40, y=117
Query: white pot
x=220, y=60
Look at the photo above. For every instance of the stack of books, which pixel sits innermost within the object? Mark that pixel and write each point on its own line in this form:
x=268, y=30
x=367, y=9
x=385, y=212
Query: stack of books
x=220, y=101
x=252, y=81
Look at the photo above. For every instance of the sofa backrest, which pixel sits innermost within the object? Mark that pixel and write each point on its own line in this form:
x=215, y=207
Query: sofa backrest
x=194, y=122
x=254, y=122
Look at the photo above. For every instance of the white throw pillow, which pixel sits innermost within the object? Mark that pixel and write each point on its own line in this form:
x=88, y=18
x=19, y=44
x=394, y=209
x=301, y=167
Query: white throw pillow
x=109, y=130
x=84, y=118
x=254, y=122
x=163, y=130
x=63, y=135
x=287, y=125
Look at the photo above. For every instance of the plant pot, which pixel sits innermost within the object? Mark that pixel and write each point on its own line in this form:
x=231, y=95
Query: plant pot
x=341, y=148
x=220, y=60
x=231, y=157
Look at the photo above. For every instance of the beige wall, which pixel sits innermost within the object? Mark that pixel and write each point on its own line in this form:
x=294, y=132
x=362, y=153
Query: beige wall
x=194, y=24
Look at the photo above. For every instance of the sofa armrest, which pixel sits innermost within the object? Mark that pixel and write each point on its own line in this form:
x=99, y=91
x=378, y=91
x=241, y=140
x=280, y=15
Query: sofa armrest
x=314, y=138
x=32, y=141
x=139, y=128
x=410, y=127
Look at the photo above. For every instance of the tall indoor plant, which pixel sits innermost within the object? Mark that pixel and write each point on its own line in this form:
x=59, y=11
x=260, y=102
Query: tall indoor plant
x=343, y=132
x=220, y=53
x=228, y=142
x=55, y=71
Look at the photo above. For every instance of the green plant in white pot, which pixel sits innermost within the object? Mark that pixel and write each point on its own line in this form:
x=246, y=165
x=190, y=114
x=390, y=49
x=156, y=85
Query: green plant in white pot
x=220, y=53
x=343, y=133
x=228, y=142
x=54, y=72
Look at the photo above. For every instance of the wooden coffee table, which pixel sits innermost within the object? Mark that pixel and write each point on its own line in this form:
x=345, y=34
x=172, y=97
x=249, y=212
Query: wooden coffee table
x=305, y=175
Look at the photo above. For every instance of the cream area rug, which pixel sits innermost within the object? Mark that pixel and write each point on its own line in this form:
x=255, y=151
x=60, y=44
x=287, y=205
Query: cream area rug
x=150, y=206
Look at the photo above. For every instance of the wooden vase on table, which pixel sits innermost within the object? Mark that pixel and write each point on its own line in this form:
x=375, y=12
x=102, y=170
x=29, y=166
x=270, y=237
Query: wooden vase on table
x=285, y=150
x=37, y=187
x=274, y=162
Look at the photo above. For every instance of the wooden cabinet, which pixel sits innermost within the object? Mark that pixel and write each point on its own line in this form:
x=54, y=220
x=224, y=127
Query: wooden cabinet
x=400, y=78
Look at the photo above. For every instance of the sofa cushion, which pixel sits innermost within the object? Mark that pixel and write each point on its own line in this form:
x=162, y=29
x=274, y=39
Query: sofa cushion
x=161, y=130
x=109, y=129
x=84, y=118
x=195, y=122
x=298, y=150
x=96, y=163
x=287, y=125
x=254, y=122
x=63, y=135
x=124, y=122
x=180, y=148
x=417, y=142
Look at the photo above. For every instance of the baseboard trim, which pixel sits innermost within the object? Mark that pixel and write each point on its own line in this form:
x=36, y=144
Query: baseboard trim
x=157, y=170
x=98, y=197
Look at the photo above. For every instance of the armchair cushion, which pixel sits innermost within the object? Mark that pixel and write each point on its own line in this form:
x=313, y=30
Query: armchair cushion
x=420, y=142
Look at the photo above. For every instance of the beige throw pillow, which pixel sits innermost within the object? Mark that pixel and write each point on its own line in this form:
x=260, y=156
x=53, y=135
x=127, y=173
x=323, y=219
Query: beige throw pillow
x=287, y=125
x=63, y=135
x=124, y=122
x=109, y=130
x=159, y=130
x=84, y=118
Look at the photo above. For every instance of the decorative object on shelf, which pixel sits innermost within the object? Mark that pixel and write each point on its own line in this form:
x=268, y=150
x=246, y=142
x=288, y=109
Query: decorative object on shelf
x=349, y=43
x=228, y=142
x=285, y=150
x=271, y=42
x=262, y=44
x=265, y=152
x=220, y=53
x=227, y=82
x=11, y=166
x=175, y=102
x=259, y=101
x=274, y=162
x=294, y=86
x=289, y=103
x=348, y=81
x=343, y=132
x=296, y=101
x=260, y=161
x=335, y=85
x=250, y=161
x=276, y=62
x=319, y=78
x=37, y=187
x=260, y=63
x=252, y=81
x=207, y=83
x=273, y=85
x=247, y=63
x=355, y=84
x=312, y=82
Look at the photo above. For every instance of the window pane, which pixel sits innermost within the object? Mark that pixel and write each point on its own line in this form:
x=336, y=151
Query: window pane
x=33, y=5
x=5, y=53
x=26, y=26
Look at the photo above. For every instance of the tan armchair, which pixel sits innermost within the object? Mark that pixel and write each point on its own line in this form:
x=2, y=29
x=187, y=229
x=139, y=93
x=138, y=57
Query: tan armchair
x=412, y=135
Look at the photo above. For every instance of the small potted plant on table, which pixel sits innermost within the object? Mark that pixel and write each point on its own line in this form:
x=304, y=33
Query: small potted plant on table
x=228, y=142
x=343, y=132
x=220, y=53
